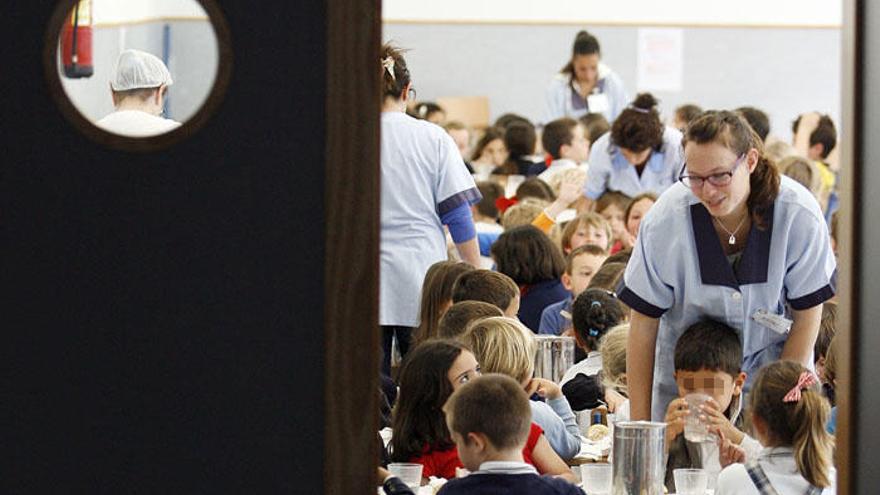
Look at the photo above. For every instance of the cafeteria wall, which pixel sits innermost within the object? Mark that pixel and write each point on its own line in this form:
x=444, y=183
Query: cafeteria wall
x=784, y=71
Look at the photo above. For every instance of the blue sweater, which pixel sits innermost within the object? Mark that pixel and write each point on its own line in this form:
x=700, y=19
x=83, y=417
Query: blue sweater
x=509, y=484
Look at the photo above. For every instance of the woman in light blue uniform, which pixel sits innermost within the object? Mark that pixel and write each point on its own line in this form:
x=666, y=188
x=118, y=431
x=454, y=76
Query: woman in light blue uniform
x=734, y=242
x=639, y=155
x=425, y=186
x=585, y=85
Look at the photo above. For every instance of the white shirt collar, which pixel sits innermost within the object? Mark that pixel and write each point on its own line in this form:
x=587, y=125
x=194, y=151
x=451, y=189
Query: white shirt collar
x=506, y=467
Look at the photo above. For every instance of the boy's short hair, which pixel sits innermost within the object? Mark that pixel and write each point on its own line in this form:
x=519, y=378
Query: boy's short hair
x=491, y=191
x=522, y=213
x=757, y=119
x=804, y=171
x=621, y=256
x=535, y=188
x=595, y=125
x=556, y=134
x=615, y=198
x=520, y=138
x=709, y=345
x=827, y=330
x=487, y=286
x=824, y=134
x=585, y=249
x=502, y=345
x=688, y=112
x=493, y=405
x=588, y=219
x=456, y=319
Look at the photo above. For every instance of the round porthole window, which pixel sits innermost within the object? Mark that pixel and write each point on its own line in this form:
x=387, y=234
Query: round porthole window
x=138, y=75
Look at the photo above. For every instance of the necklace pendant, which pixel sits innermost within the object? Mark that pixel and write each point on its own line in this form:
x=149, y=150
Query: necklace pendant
x=731, y=240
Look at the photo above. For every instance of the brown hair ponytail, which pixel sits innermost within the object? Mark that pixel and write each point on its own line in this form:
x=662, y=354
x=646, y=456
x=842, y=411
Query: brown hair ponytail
x=395, y=75
x=800, y=423
x=732, y=130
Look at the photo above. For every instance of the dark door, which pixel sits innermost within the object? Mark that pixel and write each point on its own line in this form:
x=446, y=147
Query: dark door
x=164, y=312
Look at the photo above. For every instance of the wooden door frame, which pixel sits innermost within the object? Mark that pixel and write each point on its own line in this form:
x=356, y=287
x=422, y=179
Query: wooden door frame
x=351, y=316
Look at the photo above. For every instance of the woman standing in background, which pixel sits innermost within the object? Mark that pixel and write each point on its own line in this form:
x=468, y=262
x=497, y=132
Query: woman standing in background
x=585, y=85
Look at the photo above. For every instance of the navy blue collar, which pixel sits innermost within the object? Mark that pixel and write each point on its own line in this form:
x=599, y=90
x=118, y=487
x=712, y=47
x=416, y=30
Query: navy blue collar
x=715, y=269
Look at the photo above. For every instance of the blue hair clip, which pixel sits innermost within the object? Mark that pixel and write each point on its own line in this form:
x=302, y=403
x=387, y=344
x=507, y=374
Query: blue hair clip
x=593, y=332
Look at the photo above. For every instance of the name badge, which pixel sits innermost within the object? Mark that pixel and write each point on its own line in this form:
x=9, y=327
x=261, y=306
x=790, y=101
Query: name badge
x=777, y=323
x=598, y=103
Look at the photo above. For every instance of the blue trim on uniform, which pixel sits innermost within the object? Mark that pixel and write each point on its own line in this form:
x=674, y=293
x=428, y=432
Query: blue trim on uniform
x=715, y=269
x=635, y=302
x=461, y=223
x=468, y=196
x=813, y=299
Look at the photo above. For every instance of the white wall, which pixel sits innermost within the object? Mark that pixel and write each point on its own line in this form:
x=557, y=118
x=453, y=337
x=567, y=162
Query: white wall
x=132, y=11
x=827, y=13
x=782, y=71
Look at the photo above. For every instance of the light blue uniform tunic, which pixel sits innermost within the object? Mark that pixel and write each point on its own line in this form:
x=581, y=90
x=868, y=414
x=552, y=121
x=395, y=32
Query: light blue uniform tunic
x=679, y=273
x=610, y=171
x=561, y=99
x=422, y=178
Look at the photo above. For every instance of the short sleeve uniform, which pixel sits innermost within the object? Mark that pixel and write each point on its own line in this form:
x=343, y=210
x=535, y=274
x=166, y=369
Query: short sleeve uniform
x=422, y=178
x=563, y=100
x=610, y=171
x=679, y=273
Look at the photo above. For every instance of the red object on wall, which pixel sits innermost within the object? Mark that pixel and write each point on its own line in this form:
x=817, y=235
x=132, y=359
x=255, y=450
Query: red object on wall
x=76, y=42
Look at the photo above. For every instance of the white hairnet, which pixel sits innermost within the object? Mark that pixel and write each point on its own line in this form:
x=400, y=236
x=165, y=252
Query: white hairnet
x=139, y=70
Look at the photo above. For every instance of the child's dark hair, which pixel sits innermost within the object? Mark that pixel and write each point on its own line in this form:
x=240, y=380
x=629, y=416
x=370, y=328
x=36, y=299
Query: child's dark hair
x=556, y=134
x=527, y=255
x=490, y=190
x=591, y=249
x=424, y=387
x=504, y=121
x=608, y=277
x=584, y=44
x=800, y=423
x=638, y=127
x=391, y=60
x=595, y=124
x=688, y=112
x=436, y=295
x=594, y=312
x=534, y=187
x=520, y=138
x=621, y=256
x=757, y=119
x=732, y=131
x=827, y=330
x=494, y=405
x=709, y=345
x=824, y=134
x=490, y=134
x=456, y=319
x=487, y=286
x=423, y=110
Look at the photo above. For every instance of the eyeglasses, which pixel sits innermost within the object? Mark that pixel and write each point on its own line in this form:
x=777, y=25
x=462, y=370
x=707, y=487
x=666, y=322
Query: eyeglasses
x=720, y=179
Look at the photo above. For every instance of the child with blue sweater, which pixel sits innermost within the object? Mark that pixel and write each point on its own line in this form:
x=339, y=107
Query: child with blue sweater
x=489, y=419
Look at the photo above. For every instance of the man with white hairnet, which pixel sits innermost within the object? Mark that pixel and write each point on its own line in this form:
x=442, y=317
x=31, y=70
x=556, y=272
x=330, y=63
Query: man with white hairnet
x=138, y=90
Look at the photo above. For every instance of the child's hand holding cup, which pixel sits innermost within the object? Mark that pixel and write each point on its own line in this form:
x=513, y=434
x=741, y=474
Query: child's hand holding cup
x=695, y=429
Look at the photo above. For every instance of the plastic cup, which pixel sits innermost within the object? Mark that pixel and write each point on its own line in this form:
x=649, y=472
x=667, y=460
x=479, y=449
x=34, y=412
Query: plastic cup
x=596, y=478
x=696, y=430
x=690, y=481
x=409, y=473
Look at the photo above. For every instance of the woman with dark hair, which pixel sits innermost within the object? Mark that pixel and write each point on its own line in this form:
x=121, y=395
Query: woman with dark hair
x=639, y=155
x=585, y=85
x=425, y=186
x=535, y=263
x=735, y=242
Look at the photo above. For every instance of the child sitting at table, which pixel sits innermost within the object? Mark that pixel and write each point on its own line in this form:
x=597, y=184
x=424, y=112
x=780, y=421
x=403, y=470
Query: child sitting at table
x=708, y=360
x=487, y=286
x=504, y=345
x=789, y=414
x=594, y=312
x=431, y=371
x=580, y=266
x=489, y=419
